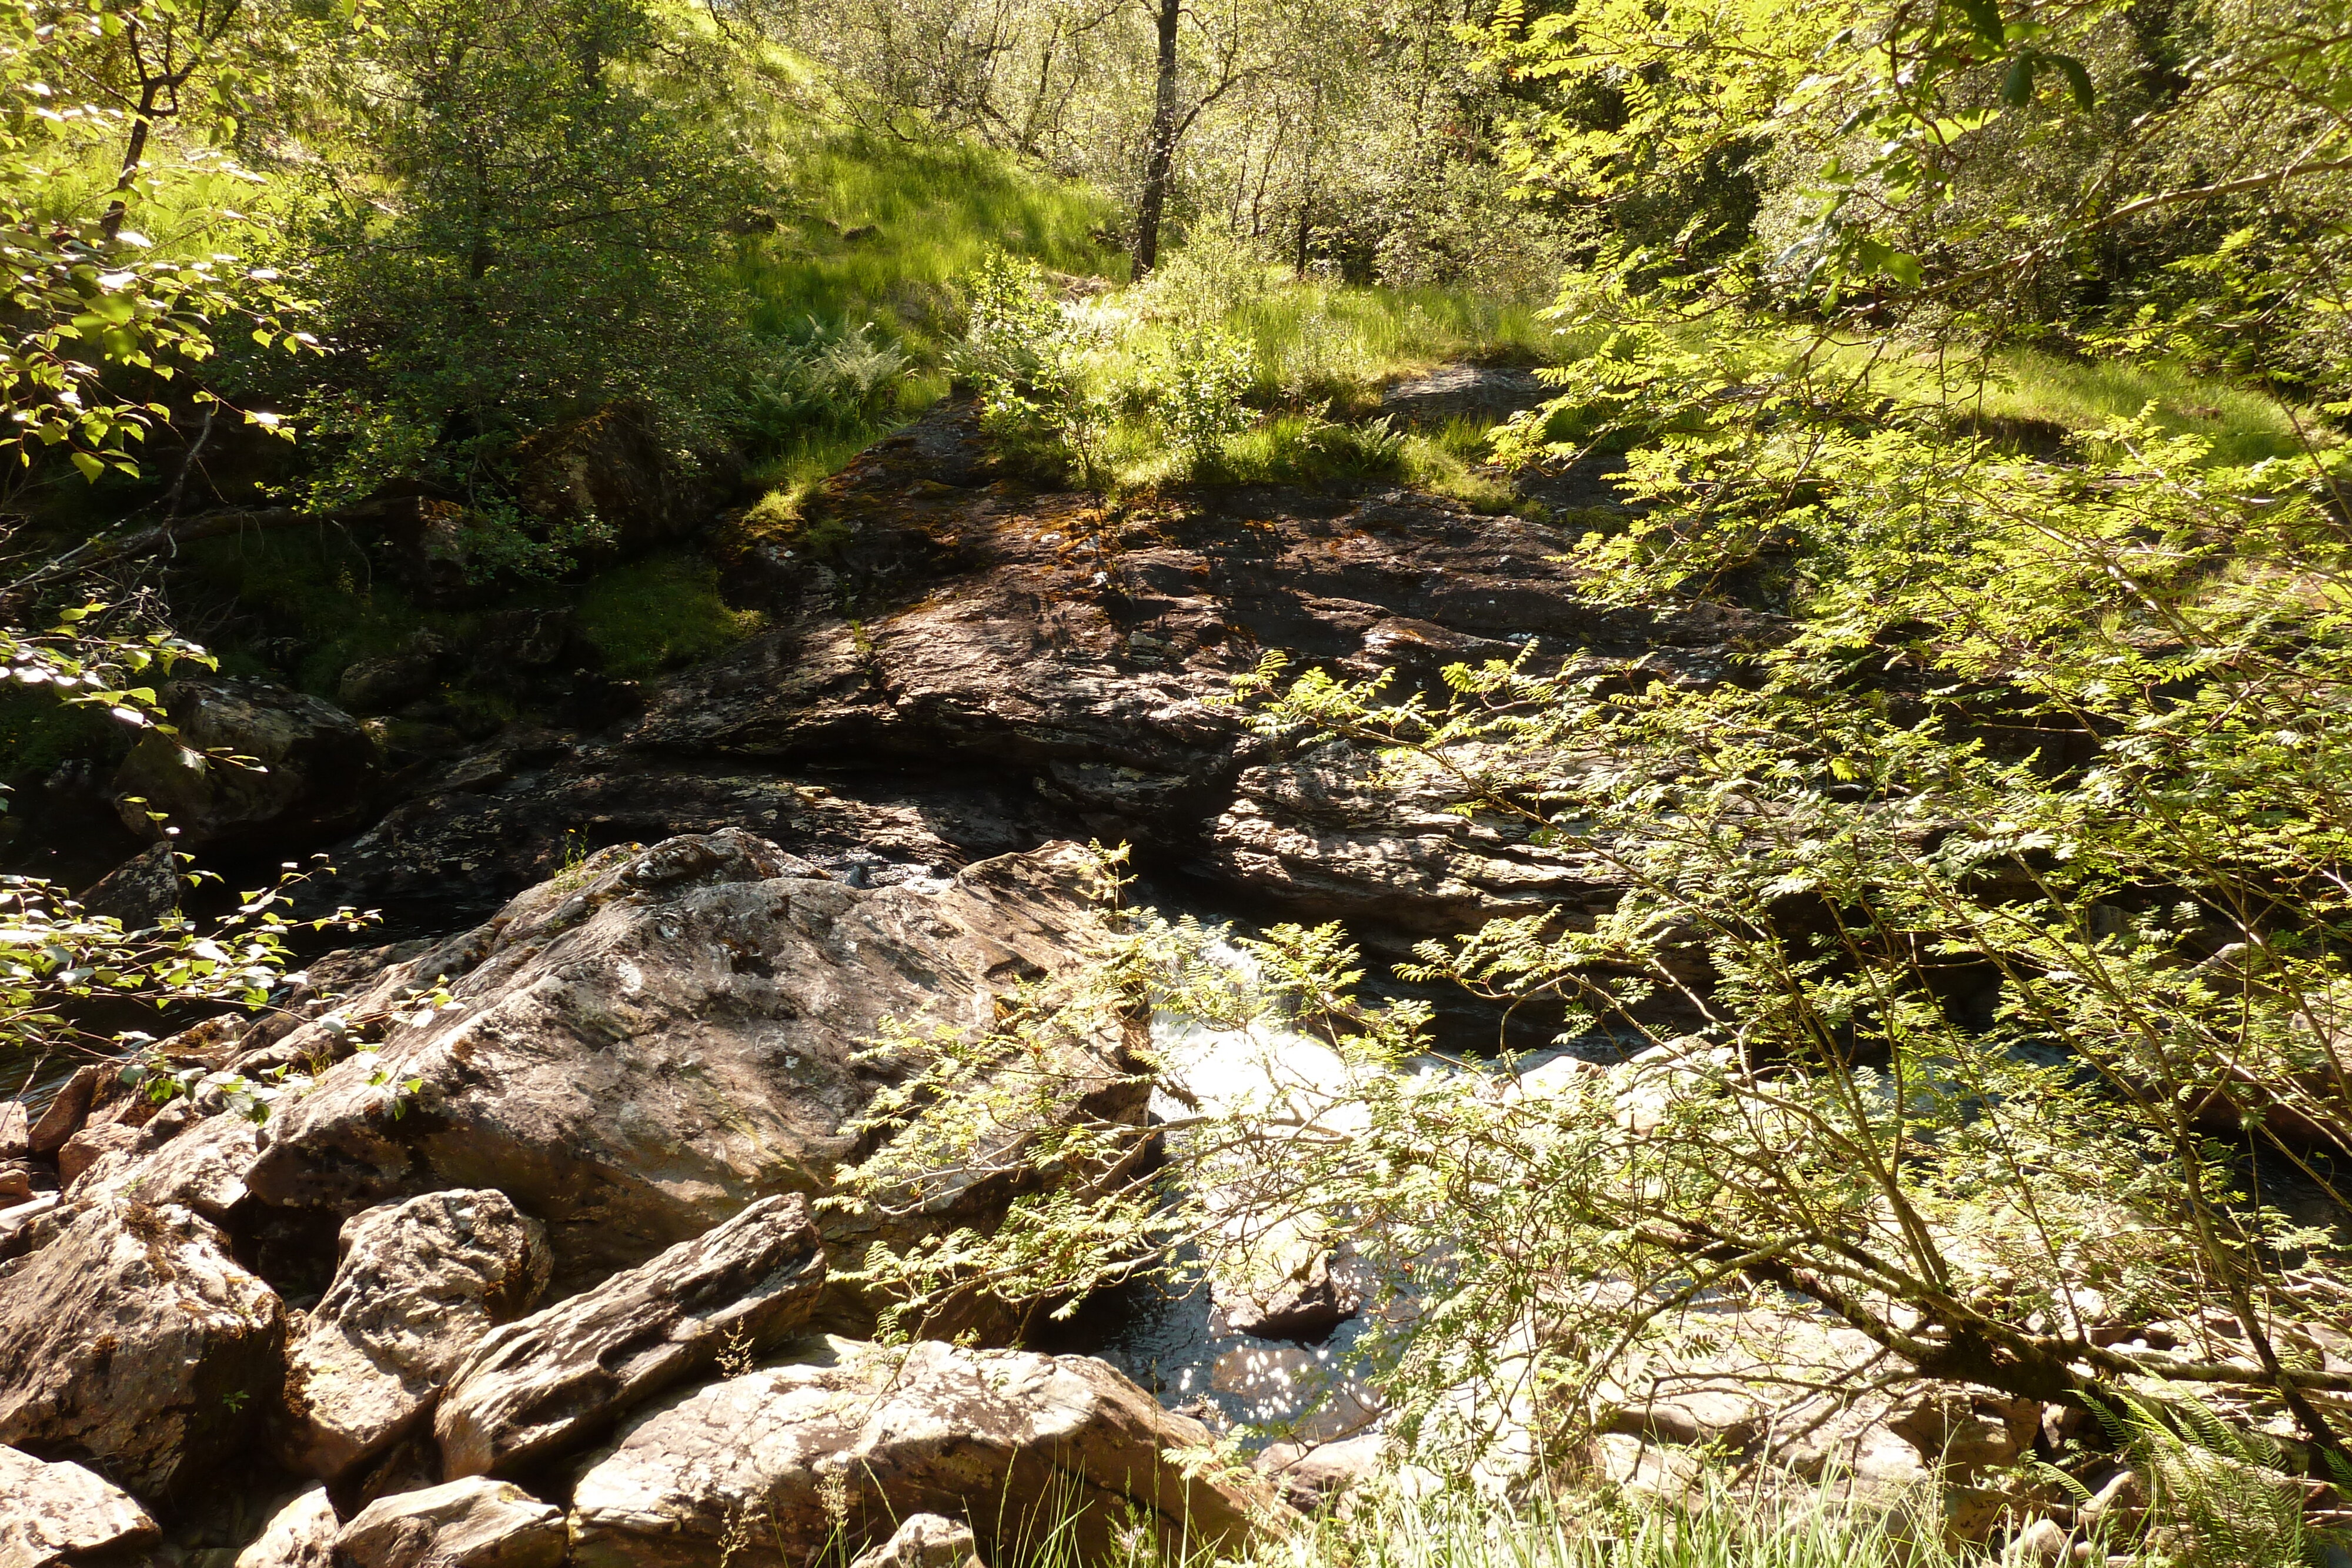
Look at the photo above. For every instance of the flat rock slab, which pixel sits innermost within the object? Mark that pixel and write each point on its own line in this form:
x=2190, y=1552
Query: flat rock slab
x=637, y=1051
x=1484, y=392
x=470, y=1523
x=52, y=1511
x=135, y=1338
x=1011, y=1441
x=556, y=1380
x=418, y=1286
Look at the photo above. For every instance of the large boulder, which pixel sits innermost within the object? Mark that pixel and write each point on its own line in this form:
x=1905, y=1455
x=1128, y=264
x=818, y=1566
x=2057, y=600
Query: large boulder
x=469, y=1523
x=417, y=1285
x=50, y=1513
x=610, y=469
x=556, y=1380
x=135, y=1339
x=634, y=1050
x=857, y=1436
x=301, y=773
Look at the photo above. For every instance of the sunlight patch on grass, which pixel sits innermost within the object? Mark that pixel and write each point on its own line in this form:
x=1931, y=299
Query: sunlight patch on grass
x=648, y=615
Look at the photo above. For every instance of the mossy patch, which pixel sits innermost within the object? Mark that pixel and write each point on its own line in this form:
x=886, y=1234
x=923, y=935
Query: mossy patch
x=648, y=615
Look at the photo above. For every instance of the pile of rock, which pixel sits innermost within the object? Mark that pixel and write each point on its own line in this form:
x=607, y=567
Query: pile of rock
x=521, y=1263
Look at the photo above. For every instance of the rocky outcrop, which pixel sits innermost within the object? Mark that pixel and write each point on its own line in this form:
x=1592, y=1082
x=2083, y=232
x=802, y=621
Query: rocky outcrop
x=1011, y=1441
x=555, y=1381
x=134, y=1338
x=316, y=766
x=179, y=1157
x=142, y=891
x=61, y=1513
x=469, y=1523
x=634, y=1053
x=969, y=668
x=418, y=1285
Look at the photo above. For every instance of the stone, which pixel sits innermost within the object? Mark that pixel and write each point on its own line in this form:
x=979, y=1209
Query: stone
x=637, y=1049
x=380, y=686
x=924, y=1541
x=1008, y=1439
x=196, y=1162
x=556, y=1380
x=142, y=892
x=300, y=1535
x=1305, y=1307
x=610, y=467
x=16, y=1130
x=1020, y=671
x=1967, y=1430
x=25, y=1224
x=2043, y=1541
x=50, y=1513
x=1308, y=1475
x=135, y=1338
x=95, y=1138
x=316, y=766
x=470, y=1523
x=67, y=1110
x=416, y=1286
x=1464, y=391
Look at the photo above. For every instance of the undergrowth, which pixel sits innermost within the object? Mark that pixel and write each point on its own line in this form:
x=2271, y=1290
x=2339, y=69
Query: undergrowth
x=664, y=609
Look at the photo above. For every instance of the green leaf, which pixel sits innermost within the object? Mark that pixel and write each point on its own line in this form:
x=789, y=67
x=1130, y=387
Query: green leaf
x=2078, y=79
x=2017, y=87
x=1984, y=19
x=90, y=466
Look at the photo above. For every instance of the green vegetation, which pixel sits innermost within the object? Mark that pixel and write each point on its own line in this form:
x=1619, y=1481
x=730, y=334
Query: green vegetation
x=658, y=613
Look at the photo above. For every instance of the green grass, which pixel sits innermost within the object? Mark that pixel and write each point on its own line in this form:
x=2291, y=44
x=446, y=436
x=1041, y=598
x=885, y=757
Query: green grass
x=652, y=614
x=882, y=231
x=2029, y=388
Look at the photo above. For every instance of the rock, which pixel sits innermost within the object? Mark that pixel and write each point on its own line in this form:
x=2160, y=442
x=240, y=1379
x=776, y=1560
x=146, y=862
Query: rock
x=638, y=1049
x=1487, y=393
x=24, y=1224
x=16, y=1130
x=380, y=686
x=315, y=767
x=134, y=1338
x=96, y=1138
x=555, y=1381
x=142, y=892
x=611, y=468
x=196, y=1162
x=1967, y=1430
x=1005, y=1438
x=1308, y=1475
x=67, y=1109
x=417, y=1285
x=924, y=1541
x=2043, y=1541
x=300, y=1535
x=1020, y=671
x=49, y=1512
x=521, y=640
x=1305, y=1307
x=469, y=1523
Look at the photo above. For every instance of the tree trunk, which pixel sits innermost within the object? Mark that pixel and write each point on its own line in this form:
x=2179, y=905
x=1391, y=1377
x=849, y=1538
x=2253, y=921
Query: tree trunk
x=1159, y=153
